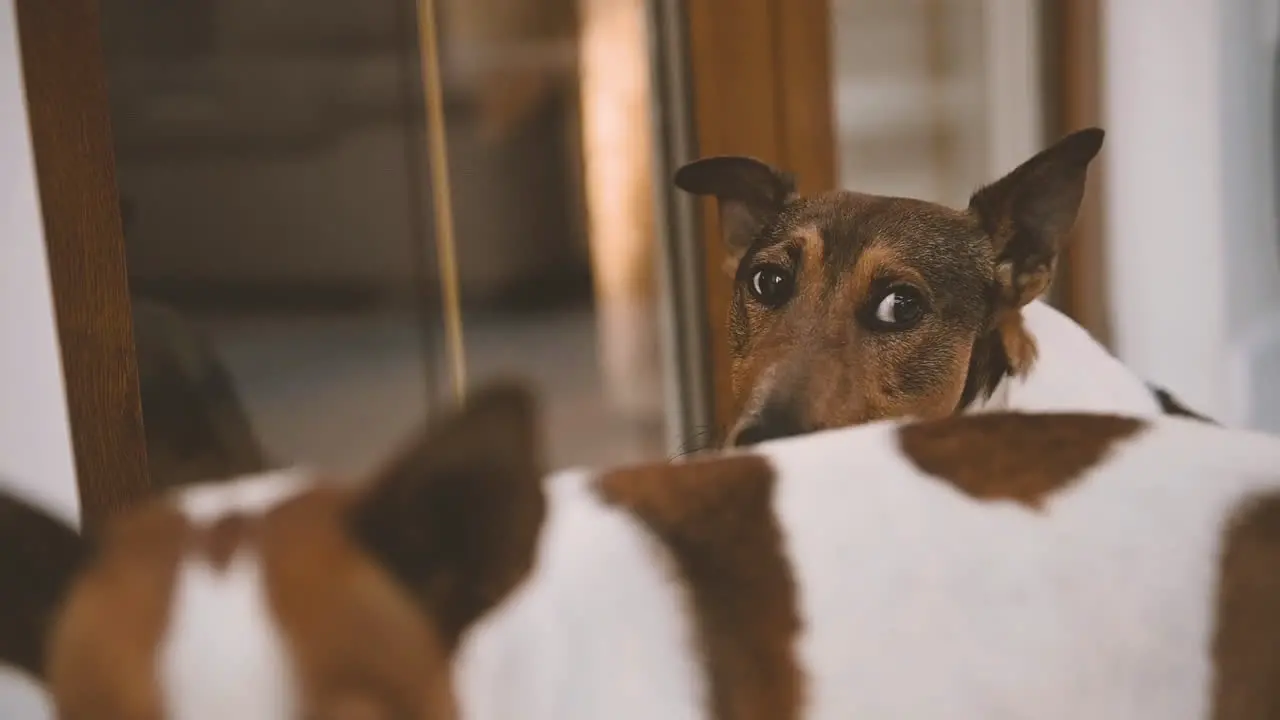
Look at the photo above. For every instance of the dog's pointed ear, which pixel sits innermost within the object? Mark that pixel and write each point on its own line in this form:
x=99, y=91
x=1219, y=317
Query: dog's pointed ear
x=1028, y=213
x=750, y=193
x=457, y=516
x=40, y=556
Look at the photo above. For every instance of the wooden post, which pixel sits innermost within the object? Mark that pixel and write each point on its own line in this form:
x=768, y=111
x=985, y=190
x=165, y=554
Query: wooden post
x=762, y=86
x=75, y=168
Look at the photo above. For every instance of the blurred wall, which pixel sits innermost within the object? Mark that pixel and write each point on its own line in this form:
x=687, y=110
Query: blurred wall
x=269, y=143
x=35, y=441
x=934, y=97
x=1191, y=241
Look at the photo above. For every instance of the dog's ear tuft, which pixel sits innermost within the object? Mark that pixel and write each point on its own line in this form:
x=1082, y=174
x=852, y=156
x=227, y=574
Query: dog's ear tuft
x=457, y=516
x=750, y=192
x=1028, y=213
x=40, y=556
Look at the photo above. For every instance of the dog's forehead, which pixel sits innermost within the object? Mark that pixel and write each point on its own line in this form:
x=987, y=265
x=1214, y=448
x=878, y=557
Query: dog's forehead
x=943, y=244
x=848, y=221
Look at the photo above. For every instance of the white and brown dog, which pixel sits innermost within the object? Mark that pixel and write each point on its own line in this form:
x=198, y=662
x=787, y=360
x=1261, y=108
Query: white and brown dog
x=979, y=566
x=851, y=307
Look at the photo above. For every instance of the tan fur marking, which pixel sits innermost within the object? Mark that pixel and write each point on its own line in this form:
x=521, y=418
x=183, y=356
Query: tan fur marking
x=881, y=259
x=1246, y=645
x=716, y=516
x=1019, y=346
x=222, y=539
x=102, y=650
x=359, y=640
x=812, y=247
x=1013, y=456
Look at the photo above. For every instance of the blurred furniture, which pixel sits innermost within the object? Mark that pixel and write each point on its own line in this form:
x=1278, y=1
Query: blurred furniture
x=280, y=144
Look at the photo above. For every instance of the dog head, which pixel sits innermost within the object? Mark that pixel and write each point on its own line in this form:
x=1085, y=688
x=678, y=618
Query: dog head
x=849, y=307
x=278, y=595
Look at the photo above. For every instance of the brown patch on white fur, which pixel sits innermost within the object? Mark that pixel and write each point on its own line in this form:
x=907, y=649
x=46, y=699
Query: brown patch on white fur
x=817, y=358
x=1246, y=643
x=360, y=641
x=1022, y=457
x=716, y=517
x=102, y=651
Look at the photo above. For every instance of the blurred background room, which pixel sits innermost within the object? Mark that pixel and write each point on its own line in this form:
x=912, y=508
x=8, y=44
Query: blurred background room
x=276, y=190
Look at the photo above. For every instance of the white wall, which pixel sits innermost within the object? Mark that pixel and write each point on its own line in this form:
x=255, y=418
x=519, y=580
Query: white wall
x=1011, y=61
x=1191, y=249
x=35, y=444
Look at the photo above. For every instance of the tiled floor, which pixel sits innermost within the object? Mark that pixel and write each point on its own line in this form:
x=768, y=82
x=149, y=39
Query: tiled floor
x=342, y=391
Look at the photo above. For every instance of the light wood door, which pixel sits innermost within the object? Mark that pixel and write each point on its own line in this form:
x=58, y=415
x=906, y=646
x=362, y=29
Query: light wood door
x=761, y=86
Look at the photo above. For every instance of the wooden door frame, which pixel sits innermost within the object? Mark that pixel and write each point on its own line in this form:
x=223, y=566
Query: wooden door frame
x=761, y=85
x=1071, y=36
x=70, y=121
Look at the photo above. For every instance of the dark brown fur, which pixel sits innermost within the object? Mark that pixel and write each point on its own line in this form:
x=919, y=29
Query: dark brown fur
x=39, y=557
x=1170, y=405
x=717, y=518
x=1022, y=457
x=816, y=361
x=1246, y=644
x=457, y=516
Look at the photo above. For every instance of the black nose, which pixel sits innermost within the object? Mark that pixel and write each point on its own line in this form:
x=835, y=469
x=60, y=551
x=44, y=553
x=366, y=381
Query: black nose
x=771, y=424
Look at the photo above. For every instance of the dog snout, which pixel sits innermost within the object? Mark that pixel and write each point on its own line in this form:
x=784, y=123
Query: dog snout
x=772, y=423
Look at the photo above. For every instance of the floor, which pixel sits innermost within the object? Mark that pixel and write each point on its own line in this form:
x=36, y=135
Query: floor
x=341, y=391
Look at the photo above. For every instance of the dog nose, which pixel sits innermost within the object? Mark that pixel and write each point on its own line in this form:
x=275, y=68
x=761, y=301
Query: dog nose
x=771, y=424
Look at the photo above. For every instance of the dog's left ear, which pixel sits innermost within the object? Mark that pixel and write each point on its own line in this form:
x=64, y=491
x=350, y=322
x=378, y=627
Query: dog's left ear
x=1028, y=213
x=751, y=194
x=457, y=517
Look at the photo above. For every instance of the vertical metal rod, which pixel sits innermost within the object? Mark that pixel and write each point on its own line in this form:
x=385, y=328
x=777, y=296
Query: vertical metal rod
x=446, y=249
x=687, y=359
x=415, y=156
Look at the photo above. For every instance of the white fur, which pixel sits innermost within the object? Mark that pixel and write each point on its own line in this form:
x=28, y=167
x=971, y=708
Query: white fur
x=223, y=655
x=602, y=629
x=917, y=601
x=250, y=495
x=23, y=697
x=1072, y=372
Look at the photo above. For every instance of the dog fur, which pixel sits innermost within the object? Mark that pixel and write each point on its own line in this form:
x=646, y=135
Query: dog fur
x=1057, y=565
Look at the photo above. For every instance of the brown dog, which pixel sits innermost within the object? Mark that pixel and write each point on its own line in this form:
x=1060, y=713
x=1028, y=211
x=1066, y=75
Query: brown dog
x=851, y=307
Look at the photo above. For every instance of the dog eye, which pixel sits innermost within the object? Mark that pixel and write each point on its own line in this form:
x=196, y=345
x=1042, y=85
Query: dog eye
x=771, y=285
x=899, y=308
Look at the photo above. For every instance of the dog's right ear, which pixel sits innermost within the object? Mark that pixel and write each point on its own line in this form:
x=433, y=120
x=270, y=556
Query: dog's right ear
x=39, y=557
x=751, y=194
x=457, y=517
x=1028, y=214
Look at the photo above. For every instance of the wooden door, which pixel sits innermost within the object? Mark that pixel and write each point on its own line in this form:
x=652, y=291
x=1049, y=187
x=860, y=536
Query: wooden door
x=761, y=86
x=1073, y=69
